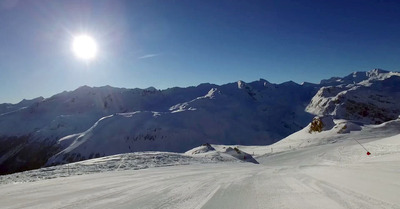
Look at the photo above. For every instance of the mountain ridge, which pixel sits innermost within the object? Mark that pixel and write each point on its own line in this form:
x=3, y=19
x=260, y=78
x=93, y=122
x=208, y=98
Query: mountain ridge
x=62, y=128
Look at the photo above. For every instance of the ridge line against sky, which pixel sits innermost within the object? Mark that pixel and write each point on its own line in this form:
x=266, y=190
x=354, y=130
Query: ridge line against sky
x=171, y=43
x=149, y=87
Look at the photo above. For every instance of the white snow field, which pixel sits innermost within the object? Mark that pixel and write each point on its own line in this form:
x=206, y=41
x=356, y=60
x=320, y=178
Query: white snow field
x=318, y=170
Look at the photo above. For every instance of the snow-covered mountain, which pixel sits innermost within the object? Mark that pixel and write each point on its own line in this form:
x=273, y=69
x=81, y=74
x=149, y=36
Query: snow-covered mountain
x=369, y=97
x=235, y=113
x=9, y=108
x=101, y=121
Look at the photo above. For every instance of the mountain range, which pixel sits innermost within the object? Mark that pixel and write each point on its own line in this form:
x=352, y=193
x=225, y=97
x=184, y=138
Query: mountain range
x=92, y=122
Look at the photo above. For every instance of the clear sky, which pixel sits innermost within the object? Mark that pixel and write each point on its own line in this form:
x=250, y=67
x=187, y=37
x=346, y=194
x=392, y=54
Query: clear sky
x=169, y=43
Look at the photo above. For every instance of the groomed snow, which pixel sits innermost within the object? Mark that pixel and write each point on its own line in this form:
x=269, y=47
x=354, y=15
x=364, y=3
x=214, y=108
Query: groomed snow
x=330, y=171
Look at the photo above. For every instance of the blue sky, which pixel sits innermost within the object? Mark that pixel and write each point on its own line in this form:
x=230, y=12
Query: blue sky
x=169, y=43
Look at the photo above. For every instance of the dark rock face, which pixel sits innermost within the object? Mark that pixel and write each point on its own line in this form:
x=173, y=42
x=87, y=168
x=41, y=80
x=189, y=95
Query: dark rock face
x=21, y=154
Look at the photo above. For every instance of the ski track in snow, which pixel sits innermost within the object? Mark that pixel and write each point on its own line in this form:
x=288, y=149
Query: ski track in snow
x=282, y=181
x=210, y=186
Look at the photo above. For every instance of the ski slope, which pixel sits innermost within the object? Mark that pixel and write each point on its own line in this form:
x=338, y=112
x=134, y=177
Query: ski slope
x=333, y=173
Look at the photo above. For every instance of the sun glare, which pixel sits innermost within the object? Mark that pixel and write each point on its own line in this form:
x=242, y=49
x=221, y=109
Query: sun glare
x=84, y=47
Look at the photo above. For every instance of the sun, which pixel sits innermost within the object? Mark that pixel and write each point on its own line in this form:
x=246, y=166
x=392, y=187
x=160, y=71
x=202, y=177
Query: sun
x=84, y=47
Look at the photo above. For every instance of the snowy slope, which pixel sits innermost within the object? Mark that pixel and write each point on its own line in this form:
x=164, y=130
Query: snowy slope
x=204, y=154
x=325, y=174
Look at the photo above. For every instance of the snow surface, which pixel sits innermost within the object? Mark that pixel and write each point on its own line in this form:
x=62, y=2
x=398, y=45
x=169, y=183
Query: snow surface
x=330, y=171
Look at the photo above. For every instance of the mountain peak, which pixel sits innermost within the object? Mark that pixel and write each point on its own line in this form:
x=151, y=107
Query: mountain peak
x=241, y=84
x=84, y=87
x=357, y=77
x=375, y=72
x=151, y=88
x=289, y=83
